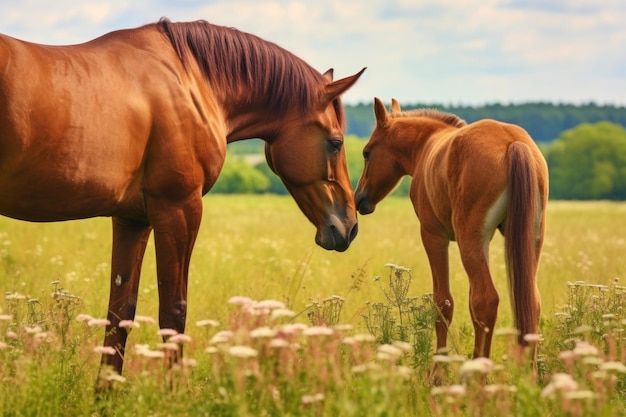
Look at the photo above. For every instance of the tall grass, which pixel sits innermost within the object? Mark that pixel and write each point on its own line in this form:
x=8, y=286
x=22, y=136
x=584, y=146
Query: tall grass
x=348, y=334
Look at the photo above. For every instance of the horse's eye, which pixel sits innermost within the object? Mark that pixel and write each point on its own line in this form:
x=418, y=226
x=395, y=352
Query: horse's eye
x=366, y=154
x=335, y=144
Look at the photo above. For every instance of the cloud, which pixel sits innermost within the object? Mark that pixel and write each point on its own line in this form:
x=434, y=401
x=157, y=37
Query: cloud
x=472, y=51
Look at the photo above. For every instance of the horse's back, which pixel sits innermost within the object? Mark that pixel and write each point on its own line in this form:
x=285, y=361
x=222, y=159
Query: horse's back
x=75, y=122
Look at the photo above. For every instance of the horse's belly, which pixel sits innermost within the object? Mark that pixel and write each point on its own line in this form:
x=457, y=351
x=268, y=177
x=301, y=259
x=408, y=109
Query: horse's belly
x=47, y=203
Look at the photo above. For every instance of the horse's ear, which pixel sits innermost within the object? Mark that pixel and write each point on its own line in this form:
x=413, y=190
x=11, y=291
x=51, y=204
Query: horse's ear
x=395, y=106
x=381, y=112
x=329, y=75
x=337, y=88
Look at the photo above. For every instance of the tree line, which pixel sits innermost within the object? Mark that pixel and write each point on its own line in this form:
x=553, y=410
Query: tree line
x=543, y=121
x=586, y=160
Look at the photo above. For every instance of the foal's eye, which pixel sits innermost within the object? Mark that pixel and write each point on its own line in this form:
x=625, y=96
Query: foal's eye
x=366, y=154
x=335, y=144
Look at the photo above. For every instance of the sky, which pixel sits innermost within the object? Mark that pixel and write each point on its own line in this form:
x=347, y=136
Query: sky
x=452, y=52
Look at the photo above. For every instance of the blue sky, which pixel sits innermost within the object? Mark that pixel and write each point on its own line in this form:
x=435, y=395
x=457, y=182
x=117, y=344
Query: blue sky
x=430, y=51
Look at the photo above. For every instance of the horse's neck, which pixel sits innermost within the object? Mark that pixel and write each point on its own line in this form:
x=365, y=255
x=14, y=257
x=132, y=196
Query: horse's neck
x=417, y=140
x=244, y=122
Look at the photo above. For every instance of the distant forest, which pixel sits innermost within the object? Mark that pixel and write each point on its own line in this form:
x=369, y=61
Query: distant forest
x=544, y=122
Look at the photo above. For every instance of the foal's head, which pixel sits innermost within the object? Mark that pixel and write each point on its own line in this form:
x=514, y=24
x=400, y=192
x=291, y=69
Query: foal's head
x=381, y=173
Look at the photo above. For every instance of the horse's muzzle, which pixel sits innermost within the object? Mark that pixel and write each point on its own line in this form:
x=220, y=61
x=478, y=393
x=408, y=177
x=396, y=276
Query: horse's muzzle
x=337, y=235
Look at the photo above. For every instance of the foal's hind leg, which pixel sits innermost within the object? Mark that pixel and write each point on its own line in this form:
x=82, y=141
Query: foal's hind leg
x=483, y=297
x=129, y=246
x=436, y=247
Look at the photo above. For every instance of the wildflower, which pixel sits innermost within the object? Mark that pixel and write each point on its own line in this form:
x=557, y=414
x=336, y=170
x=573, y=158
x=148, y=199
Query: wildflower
x=592, y=360
x=3, y=345
x=221, y=337
x=189, y=363
x=203, y=323
x=11, y=335
x=269, y=304
x=309, y=399
x=567, y=355
x=532, y=338
x=613, y=366
x=318, y=331
x=145, y=320
x=33, y=330
x=14, y=296
x=242, y=352
x=580, y=395
x=180, y=338
x=455, y=390
x=293, y=328
x=40, y=336
x=343, y=327
x=364, y=337
x=154, y=354
x=508, y=331
x=404, y=346
x=6, y=317
x=348, y=340
x=585, y=349
x=166, y=332
x=279, y=343
x=105, y=350
x=478, y=365
x=262, y=332
x=140, y=347
x=404, y=372
x=98, y=322
x=494, y=388
x=115, y=377
x=238, y=300
x=559, y=382
x=83, y=317
x=211, y=350
x=442, y=359
x=128, y=324
x=282, y=312
x=390, y=350
x=168, y=346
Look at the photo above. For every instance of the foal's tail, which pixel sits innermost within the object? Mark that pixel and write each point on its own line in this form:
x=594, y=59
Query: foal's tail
x=522, y=238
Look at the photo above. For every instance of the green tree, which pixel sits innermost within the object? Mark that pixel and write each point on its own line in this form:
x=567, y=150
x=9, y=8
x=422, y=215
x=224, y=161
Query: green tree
x=239, y=176
x=589, y=162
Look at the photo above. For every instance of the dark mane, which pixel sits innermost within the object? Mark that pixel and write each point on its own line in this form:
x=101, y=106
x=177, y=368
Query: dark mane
x=447, y=118
x=238, y=61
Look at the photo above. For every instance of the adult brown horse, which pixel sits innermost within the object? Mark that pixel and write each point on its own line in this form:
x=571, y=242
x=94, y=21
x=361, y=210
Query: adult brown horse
x=134, y=125
x=467, y=181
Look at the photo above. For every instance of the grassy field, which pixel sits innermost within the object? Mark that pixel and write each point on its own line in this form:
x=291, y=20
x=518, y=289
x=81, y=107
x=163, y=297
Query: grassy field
x=262, y=247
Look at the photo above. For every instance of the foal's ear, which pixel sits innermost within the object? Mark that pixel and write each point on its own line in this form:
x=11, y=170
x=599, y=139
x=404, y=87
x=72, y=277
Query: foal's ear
x=336, y=88
x=381, y=112
x=329, y=75
x=395, y=106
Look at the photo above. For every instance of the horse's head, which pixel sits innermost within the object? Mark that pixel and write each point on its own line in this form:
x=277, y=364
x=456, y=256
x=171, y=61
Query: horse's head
x=381, y=173
x=307, y=154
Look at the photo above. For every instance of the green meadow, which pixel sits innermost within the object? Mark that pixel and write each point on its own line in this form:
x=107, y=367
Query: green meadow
x=263, y=248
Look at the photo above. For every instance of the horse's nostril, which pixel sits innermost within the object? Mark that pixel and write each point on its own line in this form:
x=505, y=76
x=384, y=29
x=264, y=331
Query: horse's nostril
x=354, y=231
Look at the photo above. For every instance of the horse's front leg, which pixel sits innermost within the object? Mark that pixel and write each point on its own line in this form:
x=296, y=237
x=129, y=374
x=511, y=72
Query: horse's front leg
x=175, y=230
x=129, y=245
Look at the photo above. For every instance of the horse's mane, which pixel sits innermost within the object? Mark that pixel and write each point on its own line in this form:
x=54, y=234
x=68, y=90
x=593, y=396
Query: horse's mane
x=234, y=60
x=447, y=118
